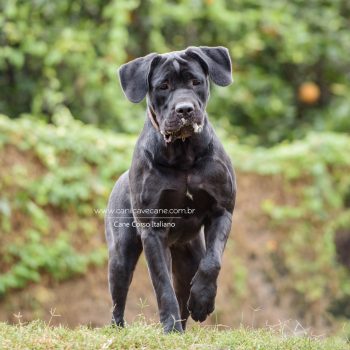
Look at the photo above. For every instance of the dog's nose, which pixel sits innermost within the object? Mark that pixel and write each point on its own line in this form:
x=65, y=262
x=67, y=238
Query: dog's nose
x=184, y=108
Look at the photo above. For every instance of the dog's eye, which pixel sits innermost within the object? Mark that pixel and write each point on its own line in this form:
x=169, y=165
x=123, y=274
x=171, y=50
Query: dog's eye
x=164, y=86
x=195, y=82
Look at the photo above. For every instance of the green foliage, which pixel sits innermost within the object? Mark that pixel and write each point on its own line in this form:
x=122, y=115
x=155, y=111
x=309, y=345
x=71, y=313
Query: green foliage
x=33, y=256
x=67, y=169
x=316, y=173
x=65, y=53
x=37, y=335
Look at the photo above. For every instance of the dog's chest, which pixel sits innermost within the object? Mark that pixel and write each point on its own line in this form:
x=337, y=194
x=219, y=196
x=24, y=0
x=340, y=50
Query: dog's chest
x=175, y=190
x=200, y=187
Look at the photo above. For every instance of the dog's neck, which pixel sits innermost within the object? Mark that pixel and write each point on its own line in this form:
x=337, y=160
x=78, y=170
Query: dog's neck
x=152, y=117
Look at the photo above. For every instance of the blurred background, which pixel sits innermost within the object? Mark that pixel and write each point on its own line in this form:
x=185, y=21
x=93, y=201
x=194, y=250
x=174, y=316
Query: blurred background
x=67, y=132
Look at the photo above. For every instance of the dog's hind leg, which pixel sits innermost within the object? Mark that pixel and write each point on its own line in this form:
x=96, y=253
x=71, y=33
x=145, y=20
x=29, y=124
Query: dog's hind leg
x=121, y=266
x=124, y=247
x=185, y=262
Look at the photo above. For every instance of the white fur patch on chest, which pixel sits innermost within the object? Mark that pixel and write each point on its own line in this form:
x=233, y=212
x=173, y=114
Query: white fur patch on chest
x=189, y=195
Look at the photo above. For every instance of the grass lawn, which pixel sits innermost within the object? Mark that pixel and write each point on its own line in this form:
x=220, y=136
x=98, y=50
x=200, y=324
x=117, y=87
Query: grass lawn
x=38, y=335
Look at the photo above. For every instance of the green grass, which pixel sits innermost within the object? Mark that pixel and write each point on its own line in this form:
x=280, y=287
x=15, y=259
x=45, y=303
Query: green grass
x=38, y=335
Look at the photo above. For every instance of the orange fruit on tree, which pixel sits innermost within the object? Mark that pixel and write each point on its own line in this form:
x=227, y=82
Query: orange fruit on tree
x=309, y=93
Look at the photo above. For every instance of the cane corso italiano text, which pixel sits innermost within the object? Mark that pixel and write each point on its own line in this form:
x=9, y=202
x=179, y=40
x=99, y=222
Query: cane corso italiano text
x=176, y=201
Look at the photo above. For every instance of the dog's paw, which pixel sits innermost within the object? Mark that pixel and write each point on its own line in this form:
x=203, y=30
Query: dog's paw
x=172, y=326
x=117, y=323
x=201, y=302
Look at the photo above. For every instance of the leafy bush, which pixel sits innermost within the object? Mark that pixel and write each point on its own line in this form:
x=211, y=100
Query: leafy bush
x=59, y=175
x=66, y=53
x=290, y=59
x=305, y=264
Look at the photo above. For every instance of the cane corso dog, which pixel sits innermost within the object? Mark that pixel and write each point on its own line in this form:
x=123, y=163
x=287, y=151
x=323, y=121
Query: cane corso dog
x=176, y=201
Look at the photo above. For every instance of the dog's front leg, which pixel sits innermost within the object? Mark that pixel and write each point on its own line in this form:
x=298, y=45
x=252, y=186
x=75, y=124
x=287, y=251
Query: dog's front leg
x=204, y=284
x=159, y=264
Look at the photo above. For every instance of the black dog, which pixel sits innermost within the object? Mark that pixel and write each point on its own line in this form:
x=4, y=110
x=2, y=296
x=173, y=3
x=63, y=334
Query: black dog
x=177, y=199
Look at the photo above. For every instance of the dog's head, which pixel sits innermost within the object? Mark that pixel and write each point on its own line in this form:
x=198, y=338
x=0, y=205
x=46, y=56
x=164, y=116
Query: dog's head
x=177, y=86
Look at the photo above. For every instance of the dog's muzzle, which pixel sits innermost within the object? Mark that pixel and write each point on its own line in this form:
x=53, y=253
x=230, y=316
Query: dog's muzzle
x=185, y=128
x=184, y=121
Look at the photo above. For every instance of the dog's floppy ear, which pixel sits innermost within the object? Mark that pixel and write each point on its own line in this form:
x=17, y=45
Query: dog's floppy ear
x=216, y=60
x=134, y=77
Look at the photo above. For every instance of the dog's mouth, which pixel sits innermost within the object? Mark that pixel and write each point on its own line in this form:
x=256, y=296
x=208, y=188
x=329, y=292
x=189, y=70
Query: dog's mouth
x=177, y=126
x=186, y=129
